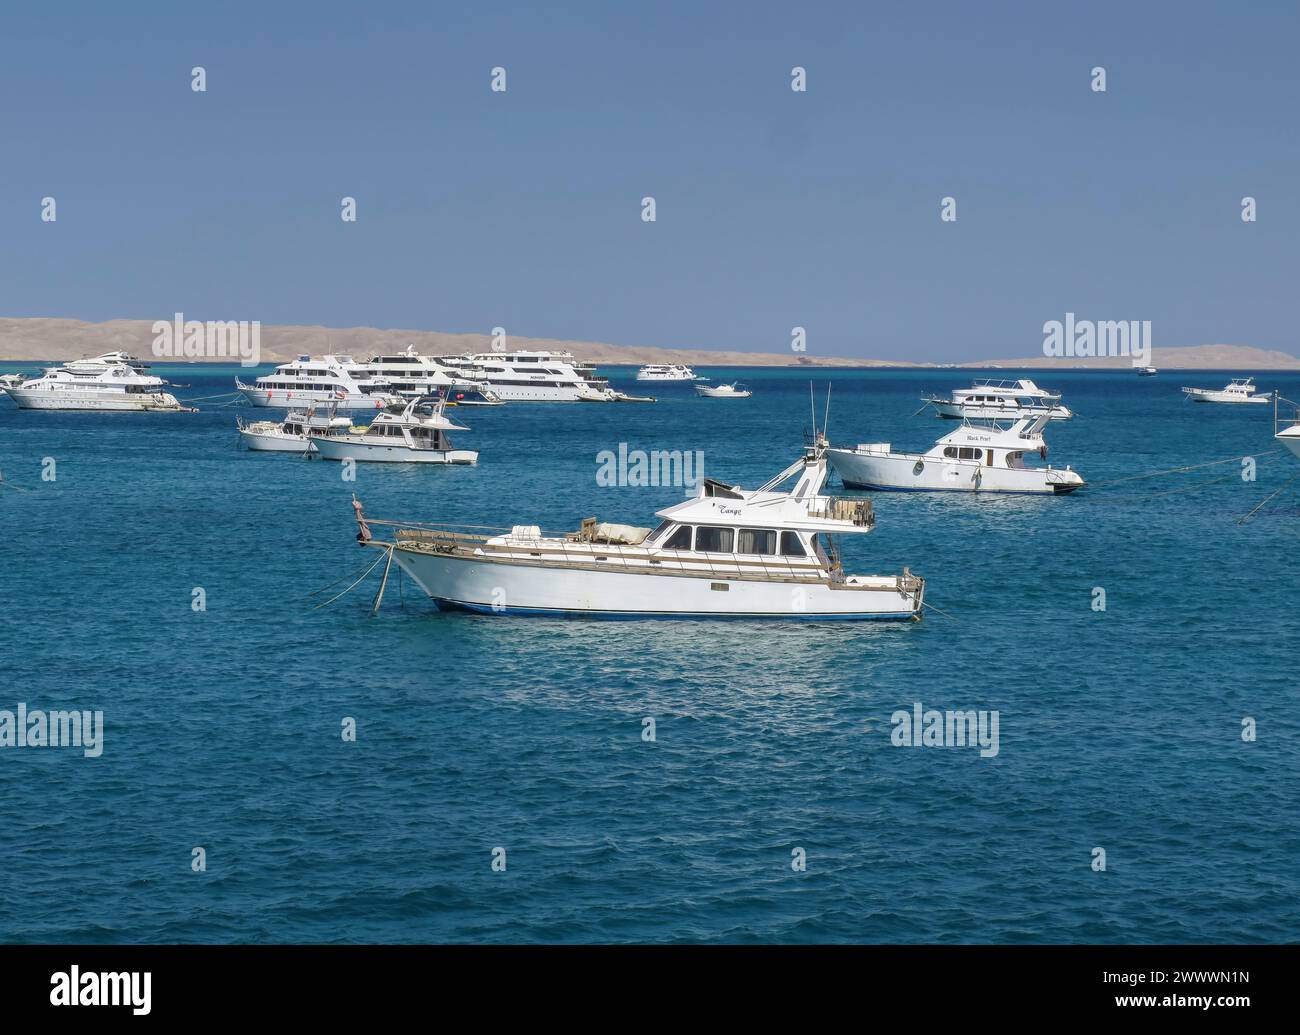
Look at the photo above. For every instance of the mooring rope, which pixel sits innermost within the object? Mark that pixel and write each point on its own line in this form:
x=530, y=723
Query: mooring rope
x=323, y=589
x=382, y=555
x=206, y=398
x=1255, y=510
x=1180, y=470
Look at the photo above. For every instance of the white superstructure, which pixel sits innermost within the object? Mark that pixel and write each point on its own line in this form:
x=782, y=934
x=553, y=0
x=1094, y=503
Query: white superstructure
x=999, y=400
x=113, y=381
x=307, y=381
x=1238, y=390
x=289, y=435
x=411, y=374
x=534, y=376
x=665, y=372
x=973, y=458
x=726, y=553
x=415, y=433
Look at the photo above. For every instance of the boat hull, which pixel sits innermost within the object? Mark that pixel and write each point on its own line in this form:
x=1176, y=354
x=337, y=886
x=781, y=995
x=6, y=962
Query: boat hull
x=285, y=399
x=346, y=449
x=37, y=399
x=917, y=474
x=982, y=411
x=501, y=587
x=1291, y=439
x=273, y=443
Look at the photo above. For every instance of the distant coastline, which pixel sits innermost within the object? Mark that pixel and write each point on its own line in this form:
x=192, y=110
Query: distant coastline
x=40, y=339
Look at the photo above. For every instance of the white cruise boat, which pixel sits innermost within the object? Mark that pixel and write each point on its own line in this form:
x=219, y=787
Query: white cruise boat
x=113, y=381
x=731, y=391
x=290, y=434
x=411, y=374
x=665, y=372
x=973, y=458
x=726, y=553
x=999, y=400
x=414, y=433
x=336, y=380
x=1238, y=390
x=534, y=376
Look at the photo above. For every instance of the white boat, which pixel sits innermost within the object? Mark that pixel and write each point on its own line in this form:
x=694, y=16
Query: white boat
x=411, y=374
x=339, y=381
x=971, y=459
x=113, y=381
x=731, y=391
x=665, y=372
x=1238, y=390
x=534, y=376
x=1287, y=429
x=290, y=434
x=726, y=553
x=999, y=400
x=1147, y=371
x=414, y=433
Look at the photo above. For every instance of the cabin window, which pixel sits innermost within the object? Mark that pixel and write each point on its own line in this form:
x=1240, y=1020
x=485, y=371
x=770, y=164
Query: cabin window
x=679, y=540
x=713, y=540
x=663, y=527
x=791, y=546
x=950, y=452
x=757, y=540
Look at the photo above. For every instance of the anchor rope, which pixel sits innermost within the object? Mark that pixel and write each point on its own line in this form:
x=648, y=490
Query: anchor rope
x=1180, y=470
x=382, y=555
x=1259, y=506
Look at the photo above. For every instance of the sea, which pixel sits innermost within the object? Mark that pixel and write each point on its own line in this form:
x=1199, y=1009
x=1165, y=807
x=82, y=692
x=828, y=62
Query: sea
x=278, y=764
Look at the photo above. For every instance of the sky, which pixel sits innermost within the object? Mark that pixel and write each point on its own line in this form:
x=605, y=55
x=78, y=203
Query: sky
x=774, y=208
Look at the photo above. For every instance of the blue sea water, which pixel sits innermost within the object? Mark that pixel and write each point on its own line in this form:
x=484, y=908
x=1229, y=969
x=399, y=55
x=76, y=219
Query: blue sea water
x=1119, y=729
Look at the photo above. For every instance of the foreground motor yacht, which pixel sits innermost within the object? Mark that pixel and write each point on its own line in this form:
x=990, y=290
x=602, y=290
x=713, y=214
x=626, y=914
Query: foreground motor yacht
x=732, y=391
x=290, y=434
x=1238, y=390
x=973, y=458
x=337, y=380
x=534, y=376
x=665, y=372
x=726, y=553
x=113, y=381
x=999, y=400
x=414, y=433
x=411, y=374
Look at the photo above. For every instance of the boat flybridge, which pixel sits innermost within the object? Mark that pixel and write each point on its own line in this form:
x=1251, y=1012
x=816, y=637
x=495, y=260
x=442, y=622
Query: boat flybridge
x=974, y=458
x=666, y=372
x=411, y=374
x=337, y=380
x=1238, y=390
x=413, y=432
x=727, y=552
x=999, y=400
x=535, y=376
x=113, y=381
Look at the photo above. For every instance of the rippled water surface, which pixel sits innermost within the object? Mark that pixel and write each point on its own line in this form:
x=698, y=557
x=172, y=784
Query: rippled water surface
x=1119, y=729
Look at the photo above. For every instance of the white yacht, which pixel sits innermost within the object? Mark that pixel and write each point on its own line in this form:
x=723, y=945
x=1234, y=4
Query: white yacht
x=411, y=374
x=290, y=434
x=725, y=553
x=1238, y=390
x=974, y=458
x=414, y=433
x=665, y=372
x=113, y=381
x=1287, y=429
x=1147, y=371
x=534, y=376
x=732, y=391
x=999, y=400
x=337, y=380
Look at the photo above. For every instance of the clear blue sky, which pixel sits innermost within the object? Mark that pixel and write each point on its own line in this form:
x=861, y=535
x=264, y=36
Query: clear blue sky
x=775, y=209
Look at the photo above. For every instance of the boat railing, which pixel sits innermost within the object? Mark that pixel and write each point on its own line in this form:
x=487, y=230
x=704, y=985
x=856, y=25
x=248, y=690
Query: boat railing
x=571, y=549
x=843, y=508
x=1281, y=423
